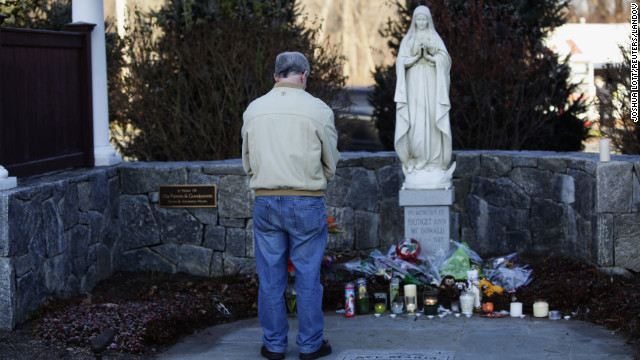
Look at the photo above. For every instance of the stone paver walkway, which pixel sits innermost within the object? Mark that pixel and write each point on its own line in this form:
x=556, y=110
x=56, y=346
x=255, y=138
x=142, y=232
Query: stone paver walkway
x=453, y=338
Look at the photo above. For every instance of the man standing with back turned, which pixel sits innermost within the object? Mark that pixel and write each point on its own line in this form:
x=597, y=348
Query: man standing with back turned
x=289, y=153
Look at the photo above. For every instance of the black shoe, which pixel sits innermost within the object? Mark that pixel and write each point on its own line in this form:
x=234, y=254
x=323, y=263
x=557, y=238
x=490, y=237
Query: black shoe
x=271, y=355
x=325, y=349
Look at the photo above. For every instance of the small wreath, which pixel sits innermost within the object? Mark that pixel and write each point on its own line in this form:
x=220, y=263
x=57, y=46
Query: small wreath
x=408, y=249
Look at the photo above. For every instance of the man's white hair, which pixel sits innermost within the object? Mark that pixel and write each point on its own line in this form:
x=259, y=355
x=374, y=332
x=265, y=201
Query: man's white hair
x=290, y=63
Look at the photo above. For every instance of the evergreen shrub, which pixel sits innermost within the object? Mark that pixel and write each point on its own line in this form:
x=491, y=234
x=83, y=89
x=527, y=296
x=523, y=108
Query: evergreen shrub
x=193, y=67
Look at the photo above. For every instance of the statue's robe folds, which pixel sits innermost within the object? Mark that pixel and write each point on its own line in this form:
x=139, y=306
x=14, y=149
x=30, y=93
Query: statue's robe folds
x=423, y=132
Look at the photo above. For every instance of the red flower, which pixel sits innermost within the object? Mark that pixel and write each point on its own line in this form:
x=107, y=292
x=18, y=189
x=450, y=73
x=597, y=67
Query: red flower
x=290, y=267
x=331, y=225
x=333, y=228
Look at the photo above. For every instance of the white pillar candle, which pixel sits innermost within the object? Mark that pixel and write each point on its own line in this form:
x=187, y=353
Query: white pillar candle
x=540, y=309
x=410, y=290
x=605, y=153
x=516, y=309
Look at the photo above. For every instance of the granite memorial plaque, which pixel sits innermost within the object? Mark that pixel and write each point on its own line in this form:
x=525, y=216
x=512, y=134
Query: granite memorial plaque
x=429, y=225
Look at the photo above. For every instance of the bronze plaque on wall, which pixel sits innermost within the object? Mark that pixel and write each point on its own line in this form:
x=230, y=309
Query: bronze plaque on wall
x=184, y=196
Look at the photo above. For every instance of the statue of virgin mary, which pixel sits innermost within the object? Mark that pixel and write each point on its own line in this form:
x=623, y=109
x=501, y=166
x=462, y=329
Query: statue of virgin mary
x=423, y=133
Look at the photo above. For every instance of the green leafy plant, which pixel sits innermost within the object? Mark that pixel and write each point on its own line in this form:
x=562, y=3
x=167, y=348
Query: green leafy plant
x=36, y=14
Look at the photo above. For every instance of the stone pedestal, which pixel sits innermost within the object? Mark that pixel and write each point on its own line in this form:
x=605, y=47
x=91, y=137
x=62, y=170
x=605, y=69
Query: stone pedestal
x=426, y=218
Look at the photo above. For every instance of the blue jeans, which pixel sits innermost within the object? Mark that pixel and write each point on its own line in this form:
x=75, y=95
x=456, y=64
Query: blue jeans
x=290, y=227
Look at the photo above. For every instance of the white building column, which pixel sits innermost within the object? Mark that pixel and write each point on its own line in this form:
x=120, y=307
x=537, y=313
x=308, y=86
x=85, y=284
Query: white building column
x=6, y=182
x=91, y=11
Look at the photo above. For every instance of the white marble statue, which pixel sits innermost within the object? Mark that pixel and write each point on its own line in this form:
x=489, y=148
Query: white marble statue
x=423, y=133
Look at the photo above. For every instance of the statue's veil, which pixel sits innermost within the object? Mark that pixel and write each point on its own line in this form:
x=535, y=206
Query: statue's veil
x=431, y=30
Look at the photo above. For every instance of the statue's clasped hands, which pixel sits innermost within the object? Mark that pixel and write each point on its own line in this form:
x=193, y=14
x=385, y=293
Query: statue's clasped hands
x=427, y=52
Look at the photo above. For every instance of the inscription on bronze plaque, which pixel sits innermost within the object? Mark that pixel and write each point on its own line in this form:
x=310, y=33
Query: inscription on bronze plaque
x=187, y=196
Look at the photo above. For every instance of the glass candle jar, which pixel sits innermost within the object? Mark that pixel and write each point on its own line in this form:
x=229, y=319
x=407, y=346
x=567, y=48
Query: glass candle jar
x=349, y=300
x=362, y=304
x=380, y=297
x=431, y=303
x=466, y=303
x=396, y=307
x=410, y=292
x=487, y=307
x=412, y=306
x=394, y=289
x=379, y=308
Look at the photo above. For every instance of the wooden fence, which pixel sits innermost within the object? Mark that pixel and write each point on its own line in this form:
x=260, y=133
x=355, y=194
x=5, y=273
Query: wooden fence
x=46, y=117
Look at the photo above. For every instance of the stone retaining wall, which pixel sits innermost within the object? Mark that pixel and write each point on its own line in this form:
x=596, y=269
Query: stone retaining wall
x=57, y=237
x=60, y=234
x=549, y=203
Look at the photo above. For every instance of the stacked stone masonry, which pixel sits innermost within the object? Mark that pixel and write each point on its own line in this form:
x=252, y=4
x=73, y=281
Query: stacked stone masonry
x=61, y=234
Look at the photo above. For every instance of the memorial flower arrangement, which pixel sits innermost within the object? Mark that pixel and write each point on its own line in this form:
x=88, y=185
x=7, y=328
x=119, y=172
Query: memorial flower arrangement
x=497, y=278
x=400, y=261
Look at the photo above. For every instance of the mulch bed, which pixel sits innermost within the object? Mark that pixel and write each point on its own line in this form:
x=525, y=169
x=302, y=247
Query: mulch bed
x=151, y=311
x=580, y=290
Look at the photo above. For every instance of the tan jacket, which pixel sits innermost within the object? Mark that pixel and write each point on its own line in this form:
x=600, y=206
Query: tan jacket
x=289, y=143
